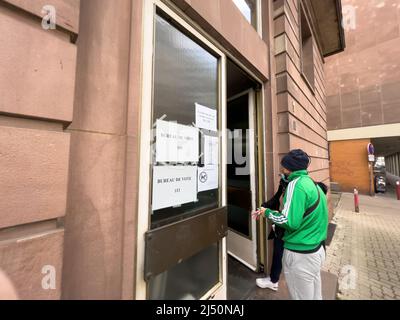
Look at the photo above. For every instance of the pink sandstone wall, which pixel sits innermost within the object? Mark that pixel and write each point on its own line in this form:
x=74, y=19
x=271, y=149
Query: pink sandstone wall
x=37, y=90
x=363, y=81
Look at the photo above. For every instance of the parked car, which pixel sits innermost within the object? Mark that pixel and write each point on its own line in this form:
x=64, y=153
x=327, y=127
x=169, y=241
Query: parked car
x=380, y=184
x=379, y=166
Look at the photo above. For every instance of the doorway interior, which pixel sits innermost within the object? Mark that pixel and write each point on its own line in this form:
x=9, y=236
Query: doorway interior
x=243, y=185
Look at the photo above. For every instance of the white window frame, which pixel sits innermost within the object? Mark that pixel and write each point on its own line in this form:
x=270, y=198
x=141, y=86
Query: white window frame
x=259, y=18
x=258, y=26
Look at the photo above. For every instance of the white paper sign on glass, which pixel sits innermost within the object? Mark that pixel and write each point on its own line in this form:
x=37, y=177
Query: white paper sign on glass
x=173, y=186
x=207, y=178
x=210, y=150
x=206, y=118
x=176, y=142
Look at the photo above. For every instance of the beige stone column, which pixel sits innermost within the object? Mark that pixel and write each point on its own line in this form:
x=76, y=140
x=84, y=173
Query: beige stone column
x=101, y=210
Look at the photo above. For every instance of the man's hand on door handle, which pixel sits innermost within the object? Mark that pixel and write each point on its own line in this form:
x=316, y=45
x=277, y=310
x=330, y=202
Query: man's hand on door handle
x=260, y=212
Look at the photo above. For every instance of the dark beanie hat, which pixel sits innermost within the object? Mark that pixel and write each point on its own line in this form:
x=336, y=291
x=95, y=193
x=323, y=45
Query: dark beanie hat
x=296, y=160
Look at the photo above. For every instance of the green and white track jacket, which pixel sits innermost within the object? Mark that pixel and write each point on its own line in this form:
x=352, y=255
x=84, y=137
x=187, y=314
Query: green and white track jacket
x=302, y=234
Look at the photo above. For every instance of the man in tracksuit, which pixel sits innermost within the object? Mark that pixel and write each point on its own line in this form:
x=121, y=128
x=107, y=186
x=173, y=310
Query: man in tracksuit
x=305, y=220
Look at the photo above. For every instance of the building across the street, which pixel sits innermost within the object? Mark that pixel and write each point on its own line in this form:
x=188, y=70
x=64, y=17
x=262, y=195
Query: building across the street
x=137, y=136
x=363, y=94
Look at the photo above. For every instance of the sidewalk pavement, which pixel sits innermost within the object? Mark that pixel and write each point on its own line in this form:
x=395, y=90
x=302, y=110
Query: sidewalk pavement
x=242, y=285
x=365, y=250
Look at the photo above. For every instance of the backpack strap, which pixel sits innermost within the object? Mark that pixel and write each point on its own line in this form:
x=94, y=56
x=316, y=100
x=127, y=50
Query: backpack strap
x=313, y=207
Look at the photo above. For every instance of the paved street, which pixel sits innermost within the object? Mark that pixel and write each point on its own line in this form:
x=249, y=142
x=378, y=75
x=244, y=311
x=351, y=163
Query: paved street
x=365, y=251
x=242, y=285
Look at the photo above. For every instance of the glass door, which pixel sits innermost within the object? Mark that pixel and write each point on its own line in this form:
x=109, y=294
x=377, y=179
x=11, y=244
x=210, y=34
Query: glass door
x=184, y=249
x=241, y=173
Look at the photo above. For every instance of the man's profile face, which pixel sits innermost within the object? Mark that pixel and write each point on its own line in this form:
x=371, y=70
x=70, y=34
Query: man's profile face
x=285, y=171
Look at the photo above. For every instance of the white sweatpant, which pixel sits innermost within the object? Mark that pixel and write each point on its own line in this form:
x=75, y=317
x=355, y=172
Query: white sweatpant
x=303, y=274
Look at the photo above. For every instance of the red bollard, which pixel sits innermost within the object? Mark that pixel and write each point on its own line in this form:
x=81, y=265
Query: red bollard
x=398, y=190
x=356, y=201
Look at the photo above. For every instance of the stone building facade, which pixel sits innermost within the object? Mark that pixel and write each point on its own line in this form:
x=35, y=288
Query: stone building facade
x=363, y=95
x=81, y=217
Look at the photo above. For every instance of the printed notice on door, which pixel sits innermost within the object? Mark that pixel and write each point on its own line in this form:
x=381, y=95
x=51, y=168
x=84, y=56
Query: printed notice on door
x=210, y=150
x=206, y=118
x=176, y=142
x=207, y=178
x=173, y=186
